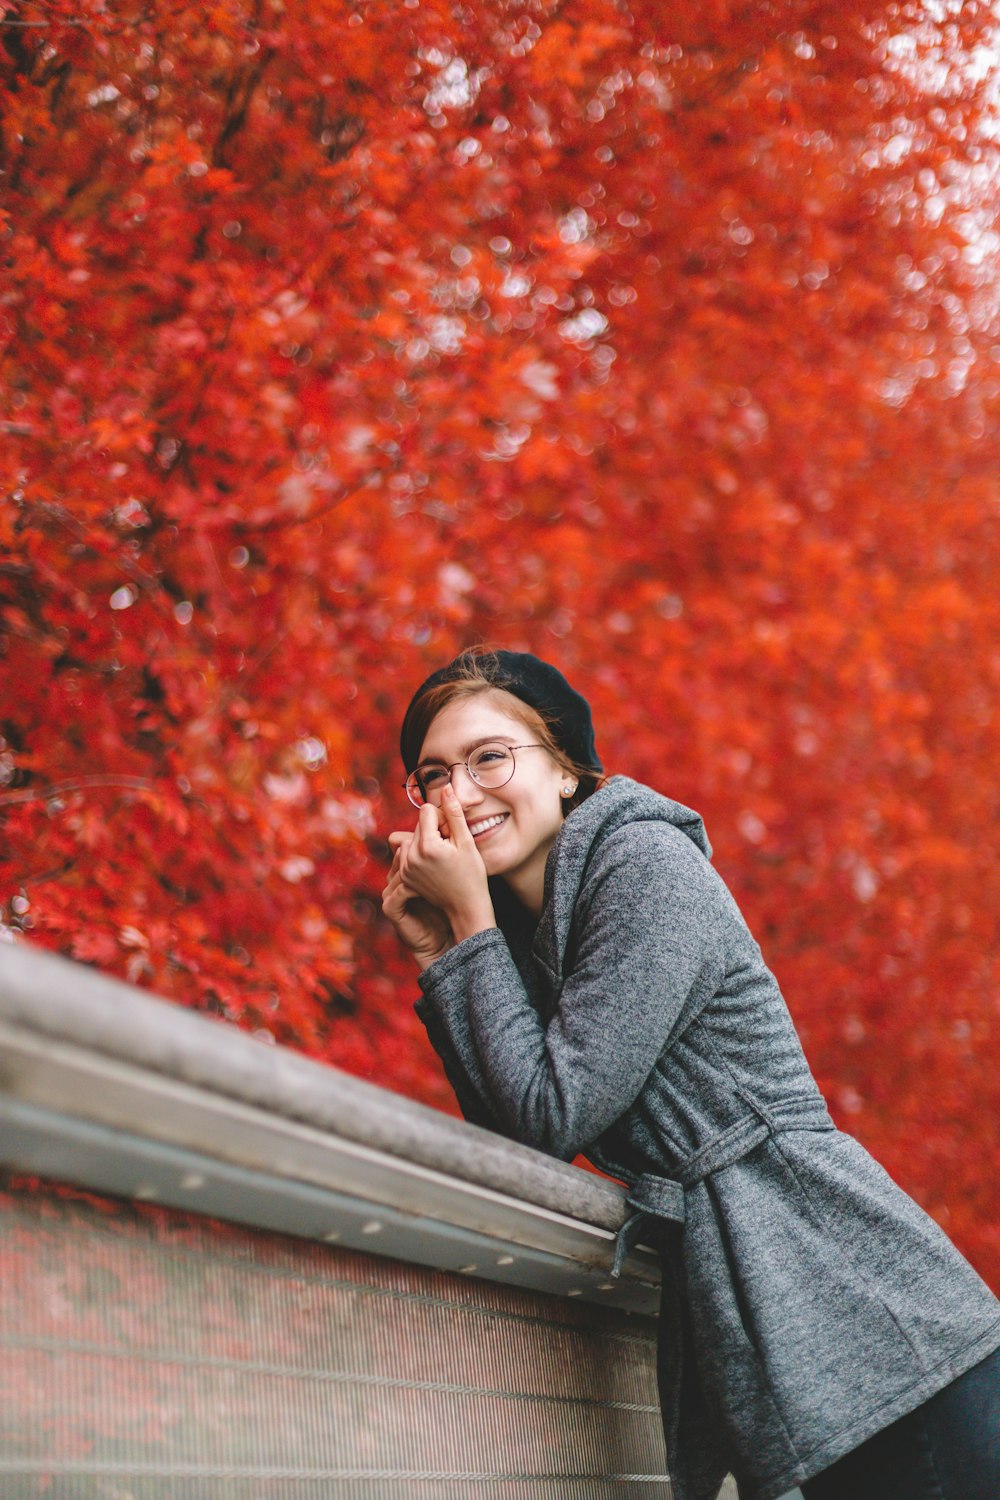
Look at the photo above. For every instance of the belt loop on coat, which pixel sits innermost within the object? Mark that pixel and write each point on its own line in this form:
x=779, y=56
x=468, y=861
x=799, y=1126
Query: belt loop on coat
x=654, y=1198
x=659, y=1197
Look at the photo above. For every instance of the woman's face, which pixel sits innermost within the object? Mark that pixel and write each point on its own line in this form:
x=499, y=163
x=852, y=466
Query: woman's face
x=529, y=806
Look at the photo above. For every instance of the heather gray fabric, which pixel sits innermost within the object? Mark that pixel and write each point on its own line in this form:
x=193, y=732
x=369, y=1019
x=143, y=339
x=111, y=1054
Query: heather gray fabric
x=808, y=1302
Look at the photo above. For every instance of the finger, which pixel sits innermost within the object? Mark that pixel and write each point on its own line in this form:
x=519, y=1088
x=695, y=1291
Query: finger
x=455, y=814
x=403, y=874
x=431, y=827
x=398, y=840
x=400, y=856
x=403, y=885
x=397, y=894
x=392, y=905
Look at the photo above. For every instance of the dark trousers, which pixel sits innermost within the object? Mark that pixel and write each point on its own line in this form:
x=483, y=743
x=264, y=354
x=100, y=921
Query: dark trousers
x=947, y=1449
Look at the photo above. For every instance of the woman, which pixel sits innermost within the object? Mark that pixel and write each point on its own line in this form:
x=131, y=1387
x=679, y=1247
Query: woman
x=591, y=986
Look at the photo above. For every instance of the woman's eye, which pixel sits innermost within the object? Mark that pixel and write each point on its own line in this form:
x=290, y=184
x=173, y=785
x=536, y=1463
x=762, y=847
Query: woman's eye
x=486, y=756
x=433, y=776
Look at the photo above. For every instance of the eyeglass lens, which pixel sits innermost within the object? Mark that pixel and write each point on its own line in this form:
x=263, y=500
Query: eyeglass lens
x=490, y=766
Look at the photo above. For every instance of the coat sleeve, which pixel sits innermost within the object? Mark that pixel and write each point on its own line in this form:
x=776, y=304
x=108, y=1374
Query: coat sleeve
x=461, y=1070
x=649, y=919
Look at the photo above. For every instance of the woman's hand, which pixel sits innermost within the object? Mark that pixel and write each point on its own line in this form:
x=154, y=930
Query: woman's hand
x=440, y=863
x=423, y=928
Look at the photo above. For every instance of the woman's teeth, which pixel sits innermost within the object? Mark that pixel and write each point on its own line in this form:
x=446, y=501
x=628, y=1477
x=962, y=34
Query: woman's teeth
x=485, y=823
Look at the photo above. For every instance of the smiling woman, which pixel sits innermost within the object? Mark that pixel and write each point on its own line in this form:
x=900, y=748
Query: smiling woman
x=513, y=818
x=477, y=777
x=591, y=986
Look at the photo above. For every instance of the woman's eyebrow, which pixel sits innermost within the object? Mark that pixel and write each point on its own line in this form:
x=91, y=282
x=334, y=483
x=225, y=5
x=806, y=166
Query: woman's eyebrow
x=484, y=739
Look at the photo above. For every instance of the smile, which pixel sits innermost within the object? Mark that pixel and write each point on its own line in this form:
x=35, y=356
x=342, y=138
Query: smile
x=485, y=824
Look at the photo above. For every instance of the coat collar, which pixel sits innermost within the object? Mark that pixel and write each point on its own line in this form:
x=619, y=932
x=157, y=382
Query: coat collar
x=619, y=801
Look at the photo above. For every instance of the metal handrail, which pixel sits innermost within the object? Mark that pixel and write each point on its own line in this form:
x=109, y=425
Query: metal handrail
x=111, y=1088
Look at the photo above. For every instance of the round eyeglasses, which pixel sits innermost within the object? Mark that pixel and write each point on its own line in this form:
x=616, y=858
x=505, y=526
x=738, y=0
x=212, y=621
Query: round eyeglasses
x=488, y=765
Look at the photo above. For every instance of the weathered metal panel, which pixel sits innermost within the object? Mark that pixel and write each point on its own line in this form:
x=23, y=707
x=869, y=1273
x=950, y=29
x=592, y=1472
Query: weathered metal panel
x=147, y=1352
x=151, y=1352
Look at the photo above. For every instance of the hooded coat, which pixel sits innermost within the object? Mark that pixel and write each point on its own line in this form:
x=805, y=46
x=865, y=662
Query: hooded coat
x=807, y=1300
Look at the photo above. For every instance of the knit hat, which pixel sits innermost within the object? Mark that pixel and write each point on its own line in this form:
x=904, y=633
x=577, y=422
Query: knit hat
x=535, y=682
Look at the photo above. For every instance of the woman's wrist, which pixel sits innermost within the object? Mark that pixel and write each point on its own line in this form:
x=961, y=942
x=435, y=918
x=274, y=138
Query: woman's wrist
x=424, y=960
x=466, y=921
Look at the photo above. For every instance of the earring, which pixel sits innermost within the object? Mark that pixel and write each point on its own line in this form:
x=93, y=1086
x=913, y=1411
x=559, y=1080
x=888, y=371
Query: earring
x=568, y=791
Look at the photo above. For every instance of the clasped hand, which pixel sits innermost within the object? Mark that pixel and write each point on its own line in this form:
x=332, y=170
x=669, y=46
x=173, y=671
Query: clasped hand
x=436, y=893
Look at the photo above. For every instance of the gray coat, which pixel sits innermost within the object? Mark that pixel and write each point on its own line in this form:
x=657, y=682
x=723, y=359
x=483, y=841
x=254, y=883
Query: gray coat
x=807, y=1302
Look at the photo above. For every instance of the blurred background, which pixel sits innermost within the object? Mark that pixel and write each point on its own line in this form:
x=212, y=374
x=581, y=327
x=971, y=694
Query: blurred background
x=660, y=341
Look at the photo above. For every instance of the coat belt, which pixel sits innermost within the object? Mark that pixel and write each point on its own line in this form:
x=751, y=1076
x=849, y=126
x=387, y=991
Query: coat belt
x=657, y=1197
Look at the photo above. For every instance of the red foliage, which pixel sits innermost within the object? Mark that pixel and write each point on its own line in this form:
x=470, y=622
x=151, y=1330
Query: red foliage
x=660, y=342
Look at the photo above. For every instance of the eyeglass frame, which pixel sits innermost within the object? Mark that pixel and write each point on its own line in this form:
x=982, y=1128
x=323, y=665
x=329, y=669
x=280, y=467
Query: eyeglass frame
x=532, y=745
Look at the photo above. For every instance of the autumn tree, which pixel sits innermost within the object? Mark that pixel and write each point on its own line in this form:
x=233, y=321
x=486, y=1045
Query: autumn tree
x=661, y=341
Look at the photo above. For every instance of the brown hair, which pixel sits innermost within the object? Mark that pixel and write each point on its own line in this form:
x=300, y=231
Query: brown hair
x=473, y=678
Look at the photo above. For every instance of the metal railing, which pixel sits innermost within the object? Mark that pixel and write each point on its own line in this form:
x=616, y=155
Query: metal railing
x=234, y=1272
x=107, y=1086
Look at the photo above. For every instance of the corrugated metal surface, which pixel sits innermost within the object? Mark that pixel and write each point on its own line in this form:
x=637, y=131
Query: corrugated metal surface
x=147, y=1352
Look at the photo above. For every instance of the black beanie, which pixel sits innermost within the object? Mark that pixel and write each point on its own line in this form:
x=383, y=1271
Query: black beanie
x=536, y=683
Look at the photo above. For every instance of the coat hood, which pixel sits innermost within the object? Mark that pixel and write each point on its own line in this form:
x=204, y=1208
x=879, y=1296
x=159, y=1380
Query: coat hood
x=619, y=801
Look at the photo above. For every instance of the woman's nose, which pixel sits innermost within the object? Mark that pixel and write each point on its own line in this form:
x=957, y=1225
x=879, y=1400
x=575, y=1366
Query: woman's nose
x=467, y=791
